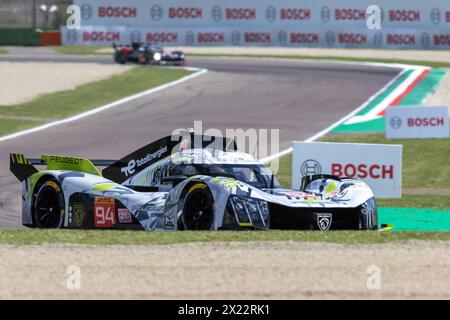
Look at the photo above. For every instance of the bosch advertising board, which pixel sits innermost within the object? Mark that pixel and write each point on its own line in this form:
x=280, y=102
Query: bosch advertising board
x=379, y=165
x=407, y=24
x=417, y=122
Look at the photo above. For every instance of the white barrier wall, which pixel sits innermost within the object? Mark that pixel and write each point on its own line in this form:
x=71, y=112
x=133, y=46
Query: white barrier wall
x=317, y=23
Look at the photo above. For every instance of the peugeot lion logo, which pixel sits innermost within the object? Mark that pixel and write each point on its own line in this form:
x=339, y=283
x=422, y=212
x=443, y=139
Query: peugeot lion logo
x=310, y=167
x=216, y=13
x=396, y=122
x=86, y=11
x=271, y=13
x=156, y=12
x=324, y=221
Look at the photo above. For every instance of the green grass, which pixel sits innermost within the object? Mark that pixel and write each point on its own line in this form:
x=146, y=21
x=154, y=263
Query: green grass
x=434, y=64
x=80, y=50
x=109, y=237
x=425, y=165
x=85, y=97
x=3, y=50
x=12, y=125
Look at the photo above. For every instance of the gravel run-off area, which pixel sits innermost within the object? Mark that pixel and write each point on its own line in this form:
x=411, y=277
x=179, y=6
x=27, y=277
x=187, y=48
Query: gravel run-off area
x=23, y=81
x=262, y=270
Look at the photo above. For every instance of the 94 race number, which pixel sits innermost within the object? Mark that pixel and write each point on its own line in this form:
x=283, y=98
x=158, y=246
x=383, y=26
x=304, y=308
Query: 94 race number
x=104, y=212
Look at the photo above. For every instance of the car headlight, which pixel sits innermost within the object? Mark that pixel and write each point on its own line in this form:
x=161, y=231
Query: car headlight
x=157, y=56
x=250, y=212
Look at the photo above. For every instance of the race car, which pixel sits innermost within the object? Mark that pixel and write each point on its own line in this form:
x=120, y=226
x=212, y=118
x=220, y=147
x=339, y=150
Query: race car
x=183, y=184
x=147, y=53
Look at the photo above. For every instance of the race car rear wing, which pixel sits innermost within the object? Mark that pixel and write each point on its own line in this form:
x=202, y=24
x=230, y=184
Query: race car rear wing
x=120, y=170
x=123, y=169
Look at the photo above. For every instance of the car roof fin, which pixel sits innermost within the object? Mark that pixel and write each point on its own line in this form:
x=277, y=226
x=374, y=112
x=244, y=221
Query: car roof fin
x=137, y=161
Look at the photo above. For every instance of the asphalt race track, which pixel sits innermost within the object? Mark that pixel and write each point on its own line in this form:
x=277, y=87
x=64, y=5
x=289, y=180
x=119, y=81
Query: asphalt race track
x=299, y=98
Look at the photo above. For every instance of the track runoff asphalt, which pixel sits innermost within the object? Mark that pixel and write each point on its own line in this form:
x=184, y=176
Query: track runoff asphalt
x=298, y=98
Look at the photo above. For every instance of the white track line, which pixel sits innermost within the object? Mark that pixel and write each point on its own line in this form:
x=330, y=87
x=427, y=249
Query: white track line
x=348, y=116
x=198, y=72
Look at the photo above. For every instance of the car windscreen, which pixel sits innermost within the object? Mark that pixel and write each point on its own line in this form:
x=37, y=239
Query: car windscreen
x=255, y=175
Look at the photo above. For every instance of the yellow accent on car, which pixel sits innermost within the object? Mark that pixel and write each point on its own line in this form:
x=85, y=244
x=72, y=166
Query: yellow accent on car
x=55, y=162
x=197, y=186
x=388, y=227
x=331, y=187
x=104, y=186
x=245, y=224
x=54, y=185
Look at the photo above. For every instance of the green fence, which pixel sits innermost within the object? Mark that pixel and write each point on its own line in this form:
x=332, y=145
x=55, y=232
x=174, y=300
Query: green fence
x=19, y=37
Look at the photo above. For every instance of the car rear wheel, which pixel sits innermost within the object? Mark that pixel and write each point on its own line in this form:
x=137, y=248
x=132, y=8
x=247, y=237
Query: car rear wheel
x=49, y=205
x=198, y=210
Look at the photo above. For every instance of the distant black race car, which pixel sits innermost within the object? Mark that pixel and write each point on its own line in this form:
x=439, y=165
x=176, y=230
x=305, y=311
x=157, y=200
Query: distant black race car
x=147, y=53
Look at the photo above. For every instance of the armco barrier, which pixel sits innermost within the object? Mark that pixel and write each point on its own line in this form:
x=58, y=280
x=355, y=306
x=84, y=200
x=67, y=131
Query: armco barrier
x=19, y=37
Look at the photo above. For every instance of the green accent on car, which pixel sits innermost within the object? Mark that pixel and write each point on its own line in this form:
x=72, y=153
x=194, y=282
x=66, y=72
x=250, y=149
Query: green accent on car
x=104, y=186
x=415, y=219
x=245, y=224
x=55, y=162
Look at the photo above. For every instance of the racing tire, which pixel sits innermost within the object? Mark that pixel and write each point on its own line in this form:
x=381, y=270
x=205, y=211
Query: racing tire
x=49, y=205
x=198, y=208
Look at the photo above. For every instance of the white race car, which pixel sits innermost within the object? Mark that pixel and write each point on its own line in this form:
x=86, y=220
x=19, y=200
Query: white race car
x=169, y=185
